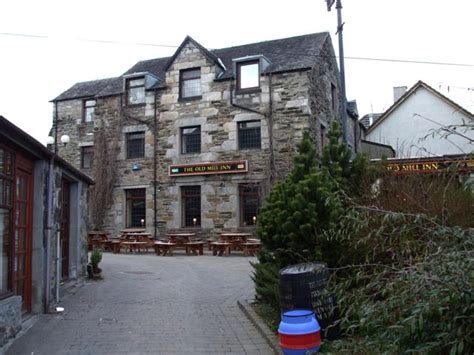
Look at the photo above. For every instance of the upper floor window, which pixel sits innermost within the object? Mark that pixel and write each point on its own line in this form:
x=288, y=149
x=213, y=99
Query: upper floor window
x=249, y=135
x=333, y=96
x=88, y=110
x=135, y=91
x=87, y=157
x=190, y=140
x=248, y=75
x=135, y=145
x=190, y=83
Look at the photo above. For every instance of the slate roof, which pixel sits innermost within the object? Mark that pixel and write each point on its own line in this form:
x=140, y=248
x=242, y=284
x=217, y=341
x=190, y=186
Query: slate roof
x=287, y=54
x=409, y=93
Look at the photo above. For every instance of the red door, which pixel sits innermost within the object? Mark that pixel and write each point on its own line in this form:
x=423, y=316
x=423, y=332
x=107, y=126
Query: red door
x=22, y=231
x=65, y=229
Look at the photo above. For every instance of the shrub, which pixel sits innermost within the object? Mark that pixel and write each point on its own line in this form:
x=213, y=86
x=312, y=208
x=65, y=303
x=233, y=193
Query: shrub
x=96, y=257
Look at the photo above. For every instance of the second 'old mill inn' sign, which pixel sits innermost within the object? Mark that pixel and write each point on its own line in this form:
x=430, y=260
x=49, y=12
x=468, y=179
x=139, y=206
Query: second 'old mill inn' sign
x=227, y=167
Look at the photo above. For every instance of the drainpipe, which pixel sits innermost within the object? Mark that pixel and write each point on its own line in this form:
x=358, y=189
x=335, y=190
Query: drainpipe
x=155, y=166
x=50, y=225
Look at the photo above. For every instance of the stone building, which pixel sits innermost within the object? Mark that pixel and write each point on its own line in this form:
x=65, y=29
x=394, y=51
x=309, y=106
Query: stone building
x=43, y=205
x=195, y=140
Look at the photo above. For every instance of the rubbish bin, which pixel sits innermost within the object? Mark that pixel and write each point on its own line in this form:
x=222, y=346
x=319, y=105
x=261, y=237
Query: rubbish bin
x=303, y=286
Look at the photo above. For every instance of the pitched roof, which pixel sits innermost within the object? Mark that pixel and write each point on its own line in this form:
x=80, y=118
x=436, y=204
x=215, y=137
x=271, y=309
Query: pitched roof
x=287, y=54
x=85, y=89
x=10, y=132
x=410, y=92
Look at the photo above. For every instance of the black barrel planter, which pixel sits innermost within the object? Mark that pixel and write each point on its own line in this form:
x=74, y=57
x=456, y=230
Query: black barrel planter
x=303, y=286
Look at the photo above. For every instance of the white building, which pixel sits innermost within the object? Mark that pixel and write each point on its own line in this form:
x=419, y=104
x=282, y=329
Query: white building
x=424, y=123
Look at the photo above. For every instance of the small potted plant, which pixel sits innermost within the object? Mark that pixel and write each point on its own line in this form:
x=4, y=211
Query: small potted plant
x=93, y=268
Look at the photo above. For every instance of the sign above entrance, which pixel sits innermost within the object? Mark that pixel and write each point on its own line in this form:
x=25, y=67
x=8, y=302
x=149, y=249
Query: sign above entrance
x=226, y=167
x=430, y=166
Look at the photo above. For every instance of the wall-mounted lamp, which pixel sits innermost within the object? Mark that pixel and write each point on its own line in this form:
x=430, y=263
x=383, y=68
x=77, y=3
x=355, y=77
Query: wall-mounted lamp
x=254, y=218
x=221, y=185
x=158, y=187
x=194, y=221
x=142, y=222
x=136, y=167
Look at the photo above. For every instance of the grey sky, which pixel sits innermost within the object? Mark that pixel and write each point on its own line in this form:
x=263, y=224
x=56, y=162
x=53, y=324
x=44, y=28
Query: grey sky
x=35, y=70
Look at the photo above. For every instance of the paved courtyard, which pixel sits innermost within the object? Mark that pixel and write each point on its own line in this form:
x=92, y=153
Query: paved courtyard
x=156, y=305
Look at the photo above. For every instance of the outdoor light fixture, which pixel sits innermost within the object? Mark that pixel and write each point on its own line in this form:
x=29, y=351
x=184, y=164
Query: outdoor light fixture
x=65, y=139
x=194, y=221
x=142, y=221
x=136, y=167
x=254, y=218
x=49, y=140
x=221, y=185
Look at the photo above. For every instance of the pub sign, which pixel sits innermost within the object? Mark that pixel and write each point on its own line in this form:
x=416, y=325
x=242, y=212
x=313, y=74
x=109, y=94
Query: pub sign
x=226, y=167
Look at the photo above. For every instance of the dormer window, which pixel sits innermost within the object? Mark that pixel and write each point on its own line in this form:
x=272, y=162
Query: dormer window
x=190, y=83
x=248, y=75
x=135, y=91
x=88, y=111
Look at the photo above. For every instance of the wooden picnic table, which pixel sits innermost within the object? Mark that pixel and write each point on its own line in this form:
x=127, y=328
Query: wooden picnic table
x=234, y=241
x=97, y=238
x=133, y=245
x=179, y=240
x=132, y=230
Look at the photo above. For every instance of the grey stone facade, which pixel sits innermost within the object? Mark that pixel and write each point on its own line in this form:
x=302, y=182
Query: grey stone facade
x=294, y=96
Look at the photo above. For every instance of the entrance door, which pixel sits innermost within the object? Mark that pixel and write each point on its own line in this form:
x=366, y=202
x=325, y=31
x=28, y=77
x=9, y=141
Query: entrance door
x=22, y=232
x=64, y=235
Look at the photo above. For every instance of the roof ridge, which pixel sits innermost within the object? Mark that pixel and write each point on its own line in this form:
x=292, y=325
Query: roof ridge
x=270, y=41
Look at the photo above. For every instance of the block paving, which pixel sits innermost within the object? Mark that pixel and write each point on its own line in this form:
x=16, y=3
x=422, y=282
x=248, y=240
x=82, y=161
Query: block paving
x=153, y=305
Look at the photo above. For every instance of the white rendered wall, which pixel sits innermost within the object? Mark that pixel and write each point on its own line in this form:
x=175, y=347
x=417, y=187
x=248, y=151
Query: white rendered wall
x=411, y=135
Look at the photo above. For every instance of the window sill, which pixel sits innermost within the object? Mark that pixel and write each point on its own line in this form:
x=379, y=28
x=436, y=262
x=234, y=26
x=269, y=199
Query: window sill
x=250, y=149
x=190, y=154
x=135, y=158
x=256, y=90
x=136, y=105
x=191, y=98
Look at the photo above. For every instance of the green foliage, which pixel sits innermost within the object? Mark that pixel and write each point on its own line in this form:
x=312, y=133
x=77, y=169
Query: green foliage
x=96, y=257
x=406, y=284
x=297, y=212
x=266, y=279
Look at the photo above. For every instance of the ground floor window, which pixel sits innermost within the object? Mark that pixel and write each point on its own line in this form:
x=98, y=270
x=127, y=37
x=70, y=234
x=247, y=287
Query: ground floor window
x=249, y=203
x=135, y=208
x=191, y=206
x=6, y=206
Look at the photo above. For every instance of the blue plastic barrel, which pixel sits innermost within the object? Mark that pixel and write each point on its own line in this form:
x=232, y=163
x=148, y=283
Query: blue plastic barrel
x=299, y=332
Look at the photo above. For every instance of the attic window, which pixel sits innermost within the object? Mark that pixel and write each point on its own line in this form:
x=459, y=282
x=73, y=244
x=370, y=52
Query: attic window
x=135, y=91
x=248, y=75
x=190, y=83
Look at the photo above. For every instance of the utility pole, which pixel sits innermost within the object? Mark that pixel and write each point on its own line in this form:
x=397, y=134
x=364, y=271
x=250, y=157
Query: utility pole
x=342, y=77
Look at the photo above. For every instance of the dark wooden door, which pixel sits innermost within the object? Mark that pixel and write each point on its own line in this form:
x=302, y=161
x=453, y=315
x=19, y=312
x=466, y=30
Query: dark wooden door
x=64, y=235
x=22, y=231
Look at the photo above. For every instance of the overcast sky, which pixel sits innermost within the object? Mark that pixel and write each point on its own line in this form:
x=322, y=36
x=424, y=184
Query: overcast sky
x=34, y=70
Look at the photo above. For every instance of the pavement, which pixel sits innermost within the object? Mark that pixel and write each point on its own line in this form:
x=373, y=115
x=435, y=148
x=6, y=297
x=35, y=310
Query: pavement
x=148, y=304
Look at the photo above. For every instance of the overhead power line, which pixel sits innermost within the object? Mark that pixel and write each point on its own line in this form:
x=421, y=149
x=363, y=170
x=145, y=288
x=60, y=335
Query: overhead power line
x=308, y=53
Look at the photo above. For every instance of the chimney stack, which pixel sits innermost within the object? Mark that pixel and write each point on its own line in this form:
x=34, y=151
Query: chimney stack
x=398, y=92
